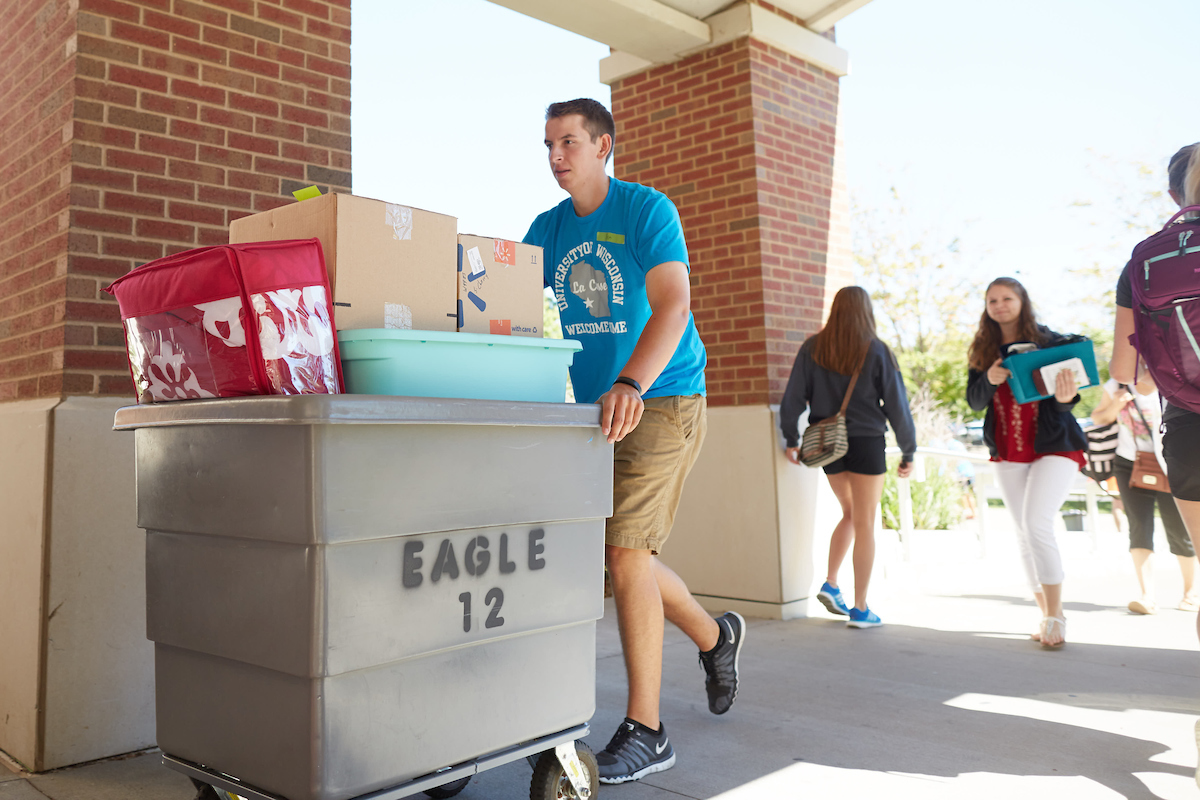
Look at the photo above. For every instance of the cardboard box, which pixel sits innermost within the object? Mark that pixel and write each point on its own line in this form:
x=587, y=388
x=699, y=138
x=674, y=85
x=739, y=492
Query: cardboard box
x=390, y=266
x=499, y=287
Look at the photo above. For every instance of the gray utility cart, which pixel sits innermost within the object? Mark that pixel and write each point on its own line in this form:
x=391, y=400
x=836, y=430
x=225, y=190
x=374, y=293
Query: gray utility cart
x=369, y=597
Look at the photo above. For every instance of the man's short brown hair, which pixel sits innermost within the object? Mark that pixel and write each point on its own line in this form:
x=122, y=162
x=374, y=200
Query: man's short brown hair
x=597, y=120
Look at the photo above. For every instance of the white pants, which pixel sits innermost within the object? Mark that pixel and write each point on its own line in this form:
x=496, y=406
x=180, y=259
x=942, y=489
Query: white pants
x=1033, y=494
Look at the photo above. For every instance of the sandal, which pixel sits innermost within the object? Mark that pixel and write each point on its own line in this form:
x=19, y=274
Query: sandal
x=1143, y=607
x=1190, y=602
x=1053, y=625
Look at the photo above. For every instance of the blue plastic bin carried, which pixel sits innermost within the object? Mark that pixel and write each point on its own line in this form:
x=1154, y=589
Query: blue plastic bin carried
x=1023, y=365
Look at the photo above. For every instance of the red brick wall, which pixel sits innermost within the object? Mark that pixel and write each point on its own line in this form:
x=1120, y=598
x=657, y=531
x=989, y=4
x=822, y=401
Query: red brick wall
x=741, y=137
x=186, y=115
x=36, y=93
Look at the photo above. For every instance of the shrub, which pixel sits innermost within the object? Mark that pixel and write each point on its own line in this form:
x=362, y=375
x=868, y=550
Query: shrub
x=937, y=501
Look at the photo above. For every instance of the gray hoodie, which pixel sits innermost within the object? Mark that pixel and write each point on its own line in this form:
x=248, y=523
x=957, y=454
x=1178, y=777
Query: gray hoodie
x=879, y=398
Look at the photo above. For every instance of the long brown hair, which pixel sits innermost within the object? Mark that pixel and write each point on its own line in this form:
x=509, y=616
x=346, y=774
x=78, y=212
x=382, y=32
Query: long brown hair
x=842, y=344
x=985, y=349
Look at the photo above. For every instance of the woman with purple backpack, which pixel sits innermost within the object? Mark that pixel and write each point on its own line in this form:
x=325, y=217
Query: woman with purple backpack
x=1181, y=440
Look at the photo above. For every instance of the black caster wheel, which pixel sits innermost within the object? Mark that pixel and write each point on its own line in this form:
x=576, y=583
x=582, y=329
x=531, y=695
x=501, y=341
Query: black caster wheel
x=449, y=789
x=204, y=791
x=550, y=781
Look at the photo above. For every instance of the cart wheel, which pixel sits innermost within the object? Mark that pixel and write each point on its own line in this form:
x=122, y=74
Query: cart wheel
x=203, y=791
x=550, y=780
x=449, y=789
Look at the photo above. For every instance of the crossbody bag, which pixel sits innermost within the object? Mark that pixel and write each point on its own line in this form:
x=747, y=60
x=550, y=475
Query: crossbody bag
x=826, y=441
x=1147, y=472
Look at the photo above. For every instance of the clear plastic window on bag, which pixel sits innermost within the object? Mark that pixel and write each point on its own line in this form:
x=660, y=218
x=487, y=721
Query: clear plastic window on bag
x=296, y=336
x=190, y=352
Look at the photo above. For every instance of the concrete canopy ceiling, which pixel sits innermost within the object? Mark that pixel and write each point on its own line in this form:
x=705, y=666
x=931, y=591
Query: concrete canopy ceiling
x=818, y=15
x=660, y=31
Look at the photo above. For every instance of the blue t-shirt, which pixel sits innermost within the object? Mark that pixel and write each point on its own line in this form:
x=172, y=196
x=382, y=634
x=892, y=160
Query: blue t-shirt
x=597, y=267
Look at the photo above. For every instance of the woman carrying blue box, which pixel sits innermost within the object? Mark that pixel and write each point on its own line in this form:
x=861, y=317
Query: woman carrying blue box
x=1037, y=447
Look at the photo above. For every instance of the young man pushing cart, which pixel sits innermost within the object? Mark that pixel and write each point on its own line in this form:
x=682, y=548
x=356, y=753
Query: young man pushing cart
x=616, y=259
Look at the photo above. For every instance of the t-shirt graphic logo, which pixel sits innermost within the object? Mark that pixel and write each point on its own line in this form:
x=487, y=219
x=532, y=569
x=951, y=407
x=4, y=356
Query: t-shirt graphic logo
x=590, y=285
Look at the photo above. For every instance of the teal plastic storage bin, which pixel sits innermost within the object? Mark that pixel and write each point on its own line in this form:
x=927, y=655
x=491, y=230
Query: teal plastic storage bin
x=1023, y=365
x=476, y=366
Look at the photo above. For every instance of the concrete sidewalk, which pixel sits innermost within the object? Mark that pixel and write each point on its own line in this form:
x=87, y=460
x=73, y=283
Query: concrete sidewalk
x=948, y=699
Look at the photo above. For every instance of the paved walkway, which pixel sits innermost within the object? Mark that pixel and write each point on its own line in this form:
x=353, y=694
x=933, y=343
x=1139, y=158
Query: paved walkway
x=947, y=700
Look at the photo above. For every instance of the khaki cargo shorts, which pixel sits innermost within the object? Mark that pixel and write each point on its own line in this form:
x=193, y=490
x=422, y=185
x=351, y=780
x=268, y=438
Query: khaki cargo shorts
x=649, y=468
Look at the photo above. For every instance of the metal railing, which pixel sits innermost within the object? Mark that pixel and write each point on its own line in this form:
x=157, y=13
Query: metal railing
x=983, y=491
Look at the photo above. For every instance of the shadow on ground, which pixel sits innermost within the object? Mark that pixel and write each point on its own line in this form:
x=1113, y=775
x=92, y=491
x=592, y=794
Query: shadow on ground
x=915, y=700
x=1024, y=601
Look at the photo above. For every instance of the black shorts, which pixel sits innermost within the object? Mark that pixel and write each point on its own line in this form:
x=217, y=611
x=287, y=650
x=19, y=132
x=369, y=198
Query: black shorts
x=1181, y=451
x=865, y=456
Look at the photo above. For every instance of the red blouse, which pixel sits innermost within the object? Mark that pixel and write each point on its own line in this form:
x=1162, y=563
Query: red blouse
x=1016, y=428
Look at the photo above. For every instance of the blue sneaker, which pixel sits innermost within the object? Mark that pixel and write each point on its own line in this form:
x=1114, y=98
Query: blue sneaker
x=863, y=619
x=831, y=598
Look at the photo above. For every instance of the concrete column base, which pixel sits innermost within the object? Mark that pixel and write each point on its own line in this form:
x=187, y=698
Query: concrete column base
x=751, y=525
x=76, y=670
x=754, y=608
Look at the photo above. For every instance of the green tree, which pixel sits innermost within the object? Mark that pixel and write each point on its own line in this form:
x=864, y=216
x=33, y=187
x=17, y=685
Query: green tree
x=918, y=291
x=1137, y=206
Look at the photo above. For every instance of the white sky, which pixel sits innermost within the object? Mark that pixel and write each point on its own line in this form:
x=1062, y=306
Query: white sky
x=990, y=118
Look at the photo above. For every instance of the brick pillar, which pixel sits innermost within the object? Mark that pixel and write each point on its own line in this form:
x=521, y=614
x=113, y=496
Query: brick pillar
x=129, y=129
x=742, y=138
x=36, y=94
x=136, y=129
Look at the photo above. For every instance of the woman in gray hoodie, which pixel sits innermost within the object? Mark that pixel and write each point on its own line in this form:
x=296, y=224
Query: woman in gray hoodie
x=820, y=377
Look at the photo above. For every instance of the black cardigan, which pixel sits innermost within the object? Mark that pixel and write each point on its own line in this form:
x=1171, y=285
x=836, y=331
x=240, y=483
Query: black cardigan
x=1057, y=430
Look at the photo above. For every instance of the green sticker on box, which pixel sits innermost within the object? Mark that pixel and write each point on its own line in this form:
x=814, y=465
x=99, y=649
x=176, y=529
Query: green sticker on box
x=615, y=238
x=306, y=193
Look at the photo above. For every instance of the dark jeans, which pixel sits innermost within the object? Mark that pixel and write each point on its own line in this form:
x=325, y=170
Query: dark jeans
x=1139, y=510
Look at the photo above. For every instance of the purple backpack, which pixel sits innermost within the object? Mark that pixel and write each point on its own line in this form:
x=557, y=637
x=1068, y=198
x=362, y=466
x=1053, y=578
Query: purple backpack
x=1164, y=275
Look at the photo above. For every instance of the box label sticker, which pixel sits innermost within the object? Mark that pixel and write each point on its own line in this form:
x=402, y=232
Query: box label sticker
x=506, y=253
x=476, y=260
x=397, y=317
x=399, y=218
x=500, y=327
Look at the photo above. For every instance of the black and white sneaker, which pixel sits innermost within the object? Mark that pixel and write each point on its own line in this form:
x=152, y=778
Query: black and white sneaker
x=634, y=751
x=721, y=663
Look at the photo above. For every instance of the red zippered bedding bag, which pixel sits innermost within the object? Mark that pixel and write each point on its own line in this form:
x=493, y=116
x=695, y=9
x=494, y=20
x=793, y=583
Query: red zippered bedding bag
x=230, y=321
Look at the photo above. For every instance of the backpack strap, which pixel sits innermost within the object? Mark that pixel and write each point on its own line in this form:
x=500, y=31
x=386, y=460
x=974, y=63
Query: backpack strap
x=1179, y=217
x=853, y=380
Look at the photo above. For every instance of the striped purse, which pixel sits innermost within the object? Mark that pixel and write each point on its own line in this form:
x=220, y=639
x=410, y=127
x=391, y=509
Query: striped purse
x=826, y=441
x=1101, y=451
